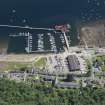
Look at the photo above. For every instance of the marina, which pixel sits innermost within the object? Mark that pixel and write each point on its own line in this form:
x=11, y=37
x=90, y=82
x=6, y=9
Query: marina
x=35, y=42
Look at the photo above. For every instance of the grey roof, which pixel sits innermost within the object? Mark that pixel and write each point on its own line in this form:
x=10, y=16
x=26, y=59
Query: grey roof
x=67, y=85
x=48, y=77
x=73, y=63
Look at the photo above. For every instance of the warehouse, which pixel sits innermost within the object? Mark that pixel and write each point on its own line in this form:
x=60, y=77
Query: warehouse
x=73, y=63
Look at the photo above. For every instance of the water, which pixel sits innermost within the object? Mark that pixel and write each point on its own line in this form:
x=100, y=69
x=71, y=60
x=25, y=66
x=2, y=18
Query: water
x=47, y=13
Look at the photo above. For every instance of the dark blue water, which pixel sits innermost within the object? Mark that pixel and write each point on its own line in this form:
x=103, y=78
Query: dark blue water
x=47, y=13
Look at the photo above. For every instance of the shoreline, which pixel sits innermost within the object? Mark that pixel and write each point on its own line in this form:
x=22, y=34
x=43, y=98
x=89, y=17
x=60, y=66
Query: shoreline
x=95, y=28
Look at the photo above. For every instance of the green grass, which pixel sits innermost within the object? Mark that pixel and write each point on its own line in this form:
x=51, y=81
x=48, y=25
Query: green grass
x=40, y=63
x=103, y=67
x=8, y=66
x=101, y=59
x=88, y=64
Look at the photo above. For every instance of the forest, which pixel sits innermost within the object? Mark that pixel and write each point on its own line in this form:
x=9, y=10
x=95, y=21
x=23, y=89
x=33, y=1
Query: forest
x=15, y=93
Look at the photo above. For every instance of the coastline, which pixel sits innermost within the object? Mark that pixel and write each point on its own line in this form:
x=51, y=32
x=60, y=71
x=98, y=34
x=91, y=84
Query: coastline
x=96, y=29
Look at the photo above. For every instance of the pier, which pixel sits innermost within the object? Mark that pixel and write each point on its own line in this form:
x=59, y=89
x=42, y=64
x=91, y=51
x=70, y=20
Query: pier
x=40, y=42
x=66, y=40
x=62, y=38
x=29, y=43
x=52, y=42
x=19, y=35
x=27, y=27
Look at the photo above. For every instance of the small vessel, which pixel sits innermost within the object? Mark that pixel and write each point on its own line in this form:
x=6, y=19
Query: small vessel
x=62, y=39
x=40, y=42
x=52, y=42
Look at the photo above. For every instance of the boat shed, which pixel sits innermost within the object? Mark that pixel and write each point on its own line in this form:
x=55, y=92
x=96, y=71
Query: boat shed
x=73, y=63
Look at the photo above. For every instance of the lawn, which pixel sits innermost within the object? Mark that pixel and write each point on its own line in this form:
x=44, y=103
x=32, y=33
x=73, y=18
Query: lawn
x=40, y=63
x=101, y=59
x=8, y=66
x=88, y=64
x=103, y=67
